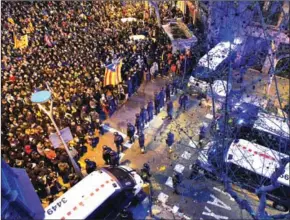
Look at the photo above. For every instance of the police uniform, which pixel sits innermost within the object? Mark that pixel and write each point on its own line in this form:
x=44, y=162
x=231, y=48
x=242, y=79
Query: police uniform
x=131, y=132
x=176, y=180
x=90, y=166
x=162, y=97
x=138, y=123
x=157, y=103
x=114, y=158
x=106, y=155
x=141, y=140
x=170, y=109
x=170, y=140
x=150, y=108
x=185, y=102
x=119, y=142
x=144, y=116
x=145, y=173
x=167, y=91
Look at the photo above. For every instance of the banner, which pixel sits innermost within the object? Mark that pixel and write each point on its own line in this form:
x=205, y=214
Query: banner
x=113, y=74
x=20, y=43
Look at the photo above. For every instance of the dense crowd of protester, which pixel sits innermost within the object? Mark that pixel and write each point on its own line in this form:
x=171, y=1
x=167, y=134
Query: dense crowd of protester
x=70, y=43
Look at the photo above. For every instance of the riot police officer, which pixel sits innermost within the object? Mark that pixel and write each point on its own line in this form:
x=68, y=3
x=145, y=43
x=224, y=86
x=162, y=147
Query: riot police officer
x=167, y=91
x=106, y=154
x=119, y=142
x=185, y=101
x=170, y=109
x=131, y=132
x=202, y=132
x=180, y=101
x=114, y=158
x=157, y=103
x=141, y=140
x=90, y=166
x=162, y=97
x=150, y=109
x=176, y=180
x=138, y=123
x=145, y=172
x=170, y=141
x=144, y=116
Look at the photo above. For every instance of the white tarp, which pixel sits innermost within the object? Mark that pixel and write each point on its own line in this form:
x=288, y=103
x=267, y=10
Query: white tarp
x=218, y=54
x=130, y=19
x=137, y=37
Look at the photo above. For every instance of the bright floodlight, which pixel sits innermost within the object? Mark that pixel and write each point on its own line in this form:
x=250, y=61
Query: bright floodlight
x=41, y=96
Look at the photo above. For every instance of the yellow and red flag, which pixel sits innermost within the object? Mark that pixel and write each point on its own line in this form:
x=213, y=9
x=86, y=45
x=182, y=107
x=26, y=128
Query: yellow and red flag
x=113, y=74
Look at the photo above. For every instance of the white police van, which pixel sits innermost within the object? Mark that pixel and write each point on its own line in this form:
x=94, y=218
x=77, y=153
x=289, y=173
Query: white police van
x=216, y=60
x=249, y=166
x=100, y=195
x=257, y=126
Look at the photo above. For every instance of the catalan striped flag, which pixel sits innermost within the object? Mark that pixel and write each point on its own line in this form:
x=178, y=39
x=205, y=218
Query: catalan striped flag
x=113, y=73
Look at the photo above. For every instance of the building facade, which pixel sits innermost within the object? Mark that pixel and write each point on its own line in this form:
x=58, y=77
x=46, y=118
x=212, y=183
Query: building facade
x=18, y=197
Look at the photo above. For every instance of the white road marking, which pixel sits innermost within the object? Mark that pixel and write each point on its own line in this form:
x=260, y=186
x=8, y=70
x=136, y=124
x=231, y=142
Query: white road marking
x=210, y=213
x=193, y=144
x=219, y=203
x=113, y=130
x=169, y=182
x=179, y=168
x=186, y=217
x=128, y=144
x=225, y=193
x=186, y=155
x=162, y=197
x=121, y=156
x=175, y=209
x=209, y=116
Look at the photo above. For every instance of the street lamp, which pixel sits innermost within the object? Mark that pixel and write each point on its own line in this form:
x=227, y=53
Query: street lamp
x=42, y=97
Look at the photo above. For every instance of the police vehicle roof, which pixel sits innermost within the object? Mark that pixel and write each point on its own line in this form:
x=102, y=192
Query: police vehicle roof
x=256, y=158
x=272, y=124
x=82, y=199
x=217, y=55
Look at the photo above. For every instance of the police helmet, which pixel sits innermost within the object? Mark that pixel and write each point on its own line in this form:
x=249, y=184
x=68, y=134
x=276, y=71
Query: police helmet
x=105, y=147
x=146, y=165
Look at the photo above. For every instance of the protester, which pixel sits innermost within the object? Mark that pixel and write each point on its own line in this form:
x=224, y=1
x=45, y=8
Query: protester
x=69, y=46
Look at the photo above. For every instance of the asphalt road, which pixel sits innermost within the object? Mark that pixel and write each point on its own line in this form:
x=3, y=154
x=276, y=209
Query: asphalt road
x=199, y=198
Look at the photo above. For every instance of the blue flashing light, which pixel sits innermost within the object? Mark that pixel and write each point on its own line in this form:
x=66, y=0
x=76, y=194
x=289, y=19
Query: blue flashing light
x=240, y=121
